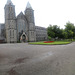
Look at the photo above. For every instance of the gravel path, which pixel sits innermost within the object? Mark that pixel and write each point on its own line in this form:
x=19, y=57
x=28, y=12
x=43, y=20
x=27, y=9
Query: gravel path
x=24, y=59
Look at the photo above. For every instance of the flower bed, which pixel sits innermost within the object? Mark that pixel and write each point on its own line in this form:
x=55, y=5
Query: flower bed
x=48, y=41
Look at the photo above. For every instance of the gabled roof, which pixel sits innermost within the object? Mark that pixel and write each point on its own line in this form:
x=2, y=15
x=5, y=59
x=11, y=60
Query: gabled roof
x=9, y=2
x=21, y=13
x=21, y=16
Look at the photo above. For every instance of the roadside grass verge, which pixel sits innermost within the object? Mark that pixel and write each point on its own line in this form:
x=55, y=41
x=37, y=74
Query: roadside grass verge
x=53, y=43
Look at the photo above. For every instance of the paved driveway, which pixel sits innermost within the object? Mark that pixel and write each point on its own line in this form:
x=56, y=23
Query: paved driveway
x=24, y=59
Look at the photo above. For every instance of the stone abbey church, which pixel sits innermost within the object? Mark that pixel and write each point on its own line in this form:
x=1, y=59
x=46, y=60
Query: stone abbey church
x=22, y=27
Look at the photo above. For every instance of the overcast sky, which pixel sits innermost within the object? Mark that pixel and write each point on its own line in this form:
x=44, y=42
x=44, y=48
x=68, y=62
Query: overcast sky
x=55, y=12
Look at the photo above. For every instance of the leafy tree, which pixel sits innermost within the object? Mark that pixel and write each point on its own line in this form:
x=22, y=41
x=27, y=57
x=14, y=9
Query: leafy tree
x=70, y=29
x=65, y=35
x=54, y=31
x=74, y=32
x=70, y=34
x=50, y=31
x=49, y=37
x=69, y=26
x=61, y=35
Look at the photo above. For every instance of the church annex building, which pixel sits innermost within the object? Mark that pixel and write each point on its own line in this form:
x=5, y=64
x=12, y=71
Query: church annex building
x=20, y=28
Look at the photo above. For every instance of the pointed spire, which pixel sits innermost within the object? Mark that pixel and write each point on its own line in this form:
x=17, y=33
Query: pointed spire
x=9, y=2
x=28, y=5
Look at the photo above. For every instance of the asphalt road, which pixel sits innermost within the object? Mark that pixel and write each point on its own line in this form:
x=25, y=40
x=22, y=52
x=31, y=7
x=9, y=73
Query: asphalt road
x=24, y=59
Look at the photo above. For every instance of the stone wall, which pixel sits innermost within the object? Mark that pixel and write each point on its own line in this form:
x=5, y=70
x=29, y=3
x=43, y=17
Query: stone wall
x=41, y=33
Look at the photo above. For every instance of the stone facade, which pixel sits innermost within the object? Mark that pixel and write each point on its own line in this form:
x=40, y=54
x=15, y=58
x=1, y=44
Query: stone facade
x=22, y=28
x=41, y=33
x=10, y=22
x=2, y=33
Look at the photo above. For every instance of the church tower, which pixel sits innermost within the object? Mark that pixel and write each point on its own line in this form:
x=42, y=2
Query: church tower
x=29, y=13
x=10, y=22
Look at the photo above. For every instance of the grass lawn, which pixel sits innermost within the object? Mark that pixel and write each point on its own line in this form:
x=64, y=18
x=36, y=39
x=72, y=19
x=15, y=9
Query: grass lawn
x=53, y=43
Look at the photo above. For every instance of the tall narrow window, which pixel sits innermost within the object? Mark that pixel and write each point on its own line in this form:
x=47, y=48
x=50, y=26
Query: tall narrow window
x=10, y=8
x=31, y=33
x=13, y=33
x=10, y=33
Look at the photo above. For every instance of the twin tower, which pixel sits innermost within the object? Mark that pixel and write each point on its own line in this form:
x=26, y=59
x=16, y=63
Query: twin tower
x=20, y=28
